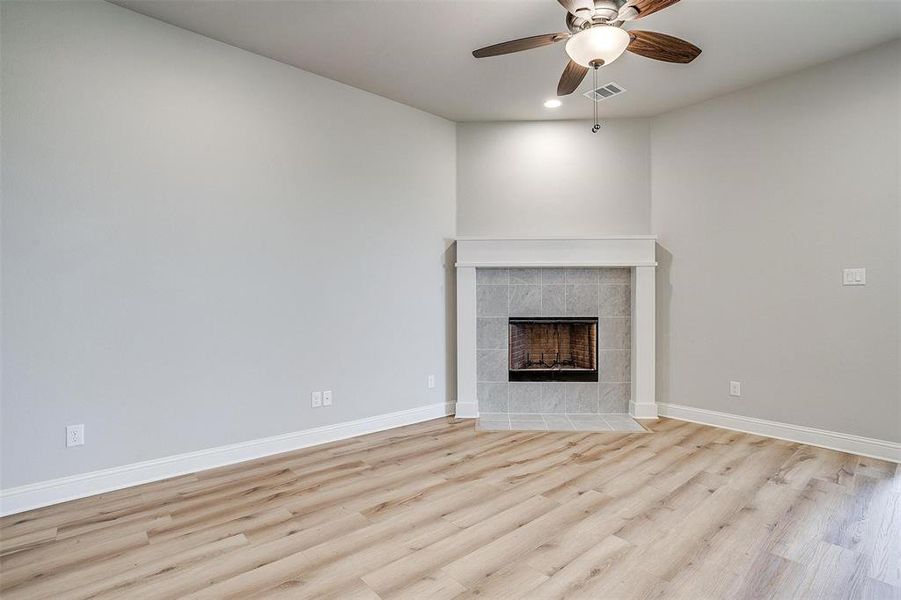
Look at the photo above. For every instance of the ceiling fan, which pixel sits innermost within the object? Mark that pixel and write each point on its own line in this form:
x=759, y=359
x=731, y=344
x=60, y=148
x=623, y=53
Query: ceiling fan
x=596, y=38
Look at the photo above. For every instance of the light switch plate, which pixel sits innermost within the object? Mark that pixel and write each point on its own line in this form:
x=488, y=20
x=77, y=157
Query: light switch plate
x=856, y=276
x=316, y=399
x=431, y=382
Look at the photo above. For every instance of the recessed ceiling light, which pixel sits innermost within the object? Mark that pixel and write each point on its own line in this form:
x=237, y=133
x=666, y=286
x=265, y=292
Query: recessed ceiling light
x=552, y=104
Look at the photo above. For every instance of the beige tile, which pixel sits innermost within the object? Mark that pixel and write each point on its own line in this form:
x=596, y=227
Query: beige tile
x=528, y=425
x=553, y=399
x=586, y=418
x=493, y=398
x=553, y=300
x=614, y=333
x=494, y=416
x=485, y=425
x=581, y=300
x=525, y=300
x=614, y=366
x=615, y=275
x=492, y=333
x=623, y=423
x=552, y=276
x=491, y=365
x=514, y=416
x=492, y=276
x=525, y=397
x=580, y=425
x=614, y=397
x=525, y=276
x=615, y=301
x=581, y=397
x=581, y=275
x=491, y=300
x=558, y=423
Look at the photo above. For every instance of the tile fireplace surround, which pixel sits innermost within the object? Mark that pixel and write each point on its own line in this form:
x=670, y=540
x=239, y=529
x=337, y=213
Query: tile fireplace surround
x=572, y=292
x=610, y=278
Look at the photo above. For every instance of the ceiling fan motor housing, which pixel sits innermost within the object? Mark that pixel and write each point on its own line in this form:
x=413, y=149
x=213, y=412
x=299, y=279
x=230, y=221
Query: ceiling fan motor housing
x=606, y=10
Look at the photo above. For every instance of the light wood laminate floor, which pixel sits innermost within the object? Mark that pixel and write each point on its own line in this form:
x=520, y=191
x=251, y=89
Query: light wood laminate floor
x=440, y=510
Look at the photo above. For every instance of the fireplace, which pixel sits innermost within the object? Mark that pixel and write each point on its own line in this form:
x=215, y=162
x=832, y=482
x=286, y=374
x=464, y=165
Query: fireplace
x=553, y=349
x=485, y=302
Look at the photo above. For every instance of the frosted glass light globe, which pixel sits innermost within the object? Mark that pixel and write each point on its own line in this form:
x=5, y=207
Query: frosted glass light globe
x=599, y=43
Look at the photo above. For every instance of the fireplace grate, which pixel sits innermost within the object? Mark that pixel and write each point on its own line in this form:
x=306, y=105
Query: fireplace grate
x=553, y=349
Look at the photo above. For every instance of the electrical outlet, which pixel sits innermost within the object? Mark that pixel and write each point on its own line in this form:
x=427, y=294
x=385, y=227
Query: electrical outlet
x=74, y=435
x=327, y=398
x=317, y=399
x=735, y=388
x=431, y=382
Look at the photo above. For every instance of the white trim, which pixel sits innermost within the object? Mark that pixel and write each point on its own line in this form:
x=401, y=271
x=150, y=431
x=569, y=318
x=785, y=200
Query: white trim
x=481, y=238
x=642, y=410
x=467, y=410
x=833, y=440
x=533, y=263
x=467, y=364
x=554, y=252
x=644, y=344
x=44, y=493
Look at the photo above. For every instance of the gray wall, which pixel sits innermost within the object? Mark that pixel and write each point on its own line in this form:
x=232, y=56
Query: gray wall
x=577, y=292
x=194, y=238
x=553, y=178
x=760, y=198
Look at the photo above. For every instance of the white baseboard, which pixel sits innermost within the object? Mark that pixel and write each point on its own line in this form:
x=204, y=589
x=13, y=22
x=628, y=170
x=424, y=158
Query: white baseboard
x=833, y=440
x=467, y=410
x=44, y=493
x=643, y=410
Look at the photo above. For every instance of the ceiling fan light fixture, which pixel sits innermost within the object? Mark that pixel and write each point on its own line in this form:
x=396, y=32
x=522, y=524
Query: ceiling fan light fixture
x=599, y=44
x=553, y=103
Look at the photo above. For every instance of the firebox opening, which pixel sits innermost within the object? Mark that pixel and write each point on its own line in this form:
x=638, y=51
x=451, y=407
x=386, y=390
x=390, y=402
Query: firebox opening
x=553, y=349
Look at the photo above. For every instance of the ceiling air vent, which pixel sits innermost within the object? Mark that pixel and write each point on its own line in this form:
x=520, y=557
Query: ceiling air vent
x=605, y=92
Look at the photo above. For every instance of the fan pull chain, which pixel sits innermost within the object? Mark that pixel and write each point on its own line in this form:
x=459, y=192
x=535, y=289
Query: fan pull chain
x=594, y=77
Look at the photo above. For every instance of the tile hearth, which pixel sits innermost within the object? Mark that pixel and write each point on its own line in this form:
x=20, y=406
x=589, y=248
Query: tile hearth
x=608, y=422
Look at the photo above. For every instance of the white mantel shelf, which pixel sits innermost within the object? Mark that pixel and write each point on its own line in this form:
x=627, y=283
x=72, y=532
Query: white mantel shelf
x=637, y=252
x=483, y=238
x=558, y=263
x=598, y=251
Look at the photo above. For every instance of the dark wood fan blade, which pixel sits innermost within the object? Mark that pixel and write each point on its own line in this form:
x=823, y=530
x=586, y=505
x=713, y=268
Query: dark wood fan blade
x=536, y=41
x=660, y=46
x=648, y=7
x=578, y=8
x=572, y=76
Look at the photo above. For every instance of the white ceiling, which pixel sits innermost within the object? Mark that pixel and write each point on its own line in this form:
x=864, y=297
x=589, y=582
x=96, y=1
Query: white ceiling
x=418, y=52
